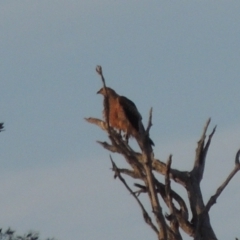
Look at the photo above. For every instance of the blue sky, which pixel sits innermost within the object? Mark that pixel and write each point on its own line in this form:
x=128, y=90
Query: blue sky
x=182, y=58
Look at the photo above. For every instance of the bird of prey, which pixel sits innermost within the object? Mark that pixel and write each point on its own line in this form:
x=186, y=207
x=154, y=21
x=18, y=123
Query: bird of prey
x=123, y=114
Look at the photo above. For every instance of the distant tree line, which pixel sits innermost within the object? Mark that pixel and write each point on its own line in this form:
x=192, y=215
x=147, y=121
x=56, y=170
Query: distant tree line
x=9, y=234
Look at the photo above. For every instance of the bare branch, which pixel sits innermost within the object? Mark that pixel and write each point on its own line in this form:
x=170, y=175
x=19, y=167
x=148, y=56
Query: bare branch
x=109, y=147
x=168, y=185
x=143, y=189
x=146, y=217
x=157, y=165
x=204, y=153
x=180, y=177
x=97, y=122
x=99, y=71
x=114, y=136
x=205, y=129
x=152, y=193
x=161, y=189
x=120, y=146
x=213, y=199
x=237, y=157
x=130, y=173
x=149, y=122
x=201, y=152
x=200, y=146
x=209, y=140
x=172, y=217
x=182, y=214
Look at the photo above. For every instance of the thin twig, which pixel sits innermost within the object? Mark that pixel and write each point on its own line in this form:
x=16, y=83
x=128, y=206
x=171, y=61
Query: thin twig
x=97, y=122
x=107, y=108
x=167, y=185
x=201, y=144
x=204, y=154
x=172, y=217
x=130, y=173
x=109, y=147
x=149, y=122
x=210, y=138
x=143, y=189
x=201, y=153
x=214, y=198
x=99, y=71
x=146, y=217
x=237, y=157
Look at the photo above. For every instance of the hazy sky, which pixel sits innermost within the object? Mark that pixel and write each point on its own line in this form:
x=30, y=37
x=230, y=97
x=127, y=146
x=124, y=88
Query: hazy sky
x=180, y=57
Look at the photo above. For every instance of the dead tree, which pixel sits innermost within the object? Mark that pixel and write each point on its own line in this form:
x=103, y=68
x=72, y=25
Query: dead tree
x=145, y=167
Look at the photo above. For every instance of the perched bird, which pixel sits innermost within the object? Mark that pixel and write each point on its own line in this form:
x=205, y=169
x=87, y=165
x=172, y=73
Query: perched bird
x=123, y=114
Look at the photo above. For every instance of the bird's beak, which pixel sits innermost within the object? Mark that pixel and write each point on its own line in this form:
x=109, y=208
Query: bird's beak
x=98, y=92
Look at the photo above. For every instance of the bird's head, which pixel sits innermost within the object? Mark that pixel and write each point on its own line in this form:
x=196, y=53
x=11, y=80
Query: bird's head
x=105, y=91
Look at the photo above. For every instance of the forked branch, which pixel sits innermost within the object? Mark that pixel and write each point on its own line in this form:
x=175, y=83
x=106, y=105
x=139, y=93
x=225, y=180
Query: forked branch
x=201, y=152
x=146, y=216
x=214, y=198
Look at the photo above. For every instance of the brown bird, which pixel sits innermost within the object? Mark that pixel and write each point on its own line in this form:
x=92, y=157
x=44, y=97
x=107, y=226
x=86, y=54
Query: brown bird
x=123, y=114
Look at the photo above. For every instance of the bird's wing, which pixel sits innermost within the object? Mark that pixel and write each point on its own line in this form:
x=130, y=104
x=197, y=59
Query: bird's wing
x=130, y=111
